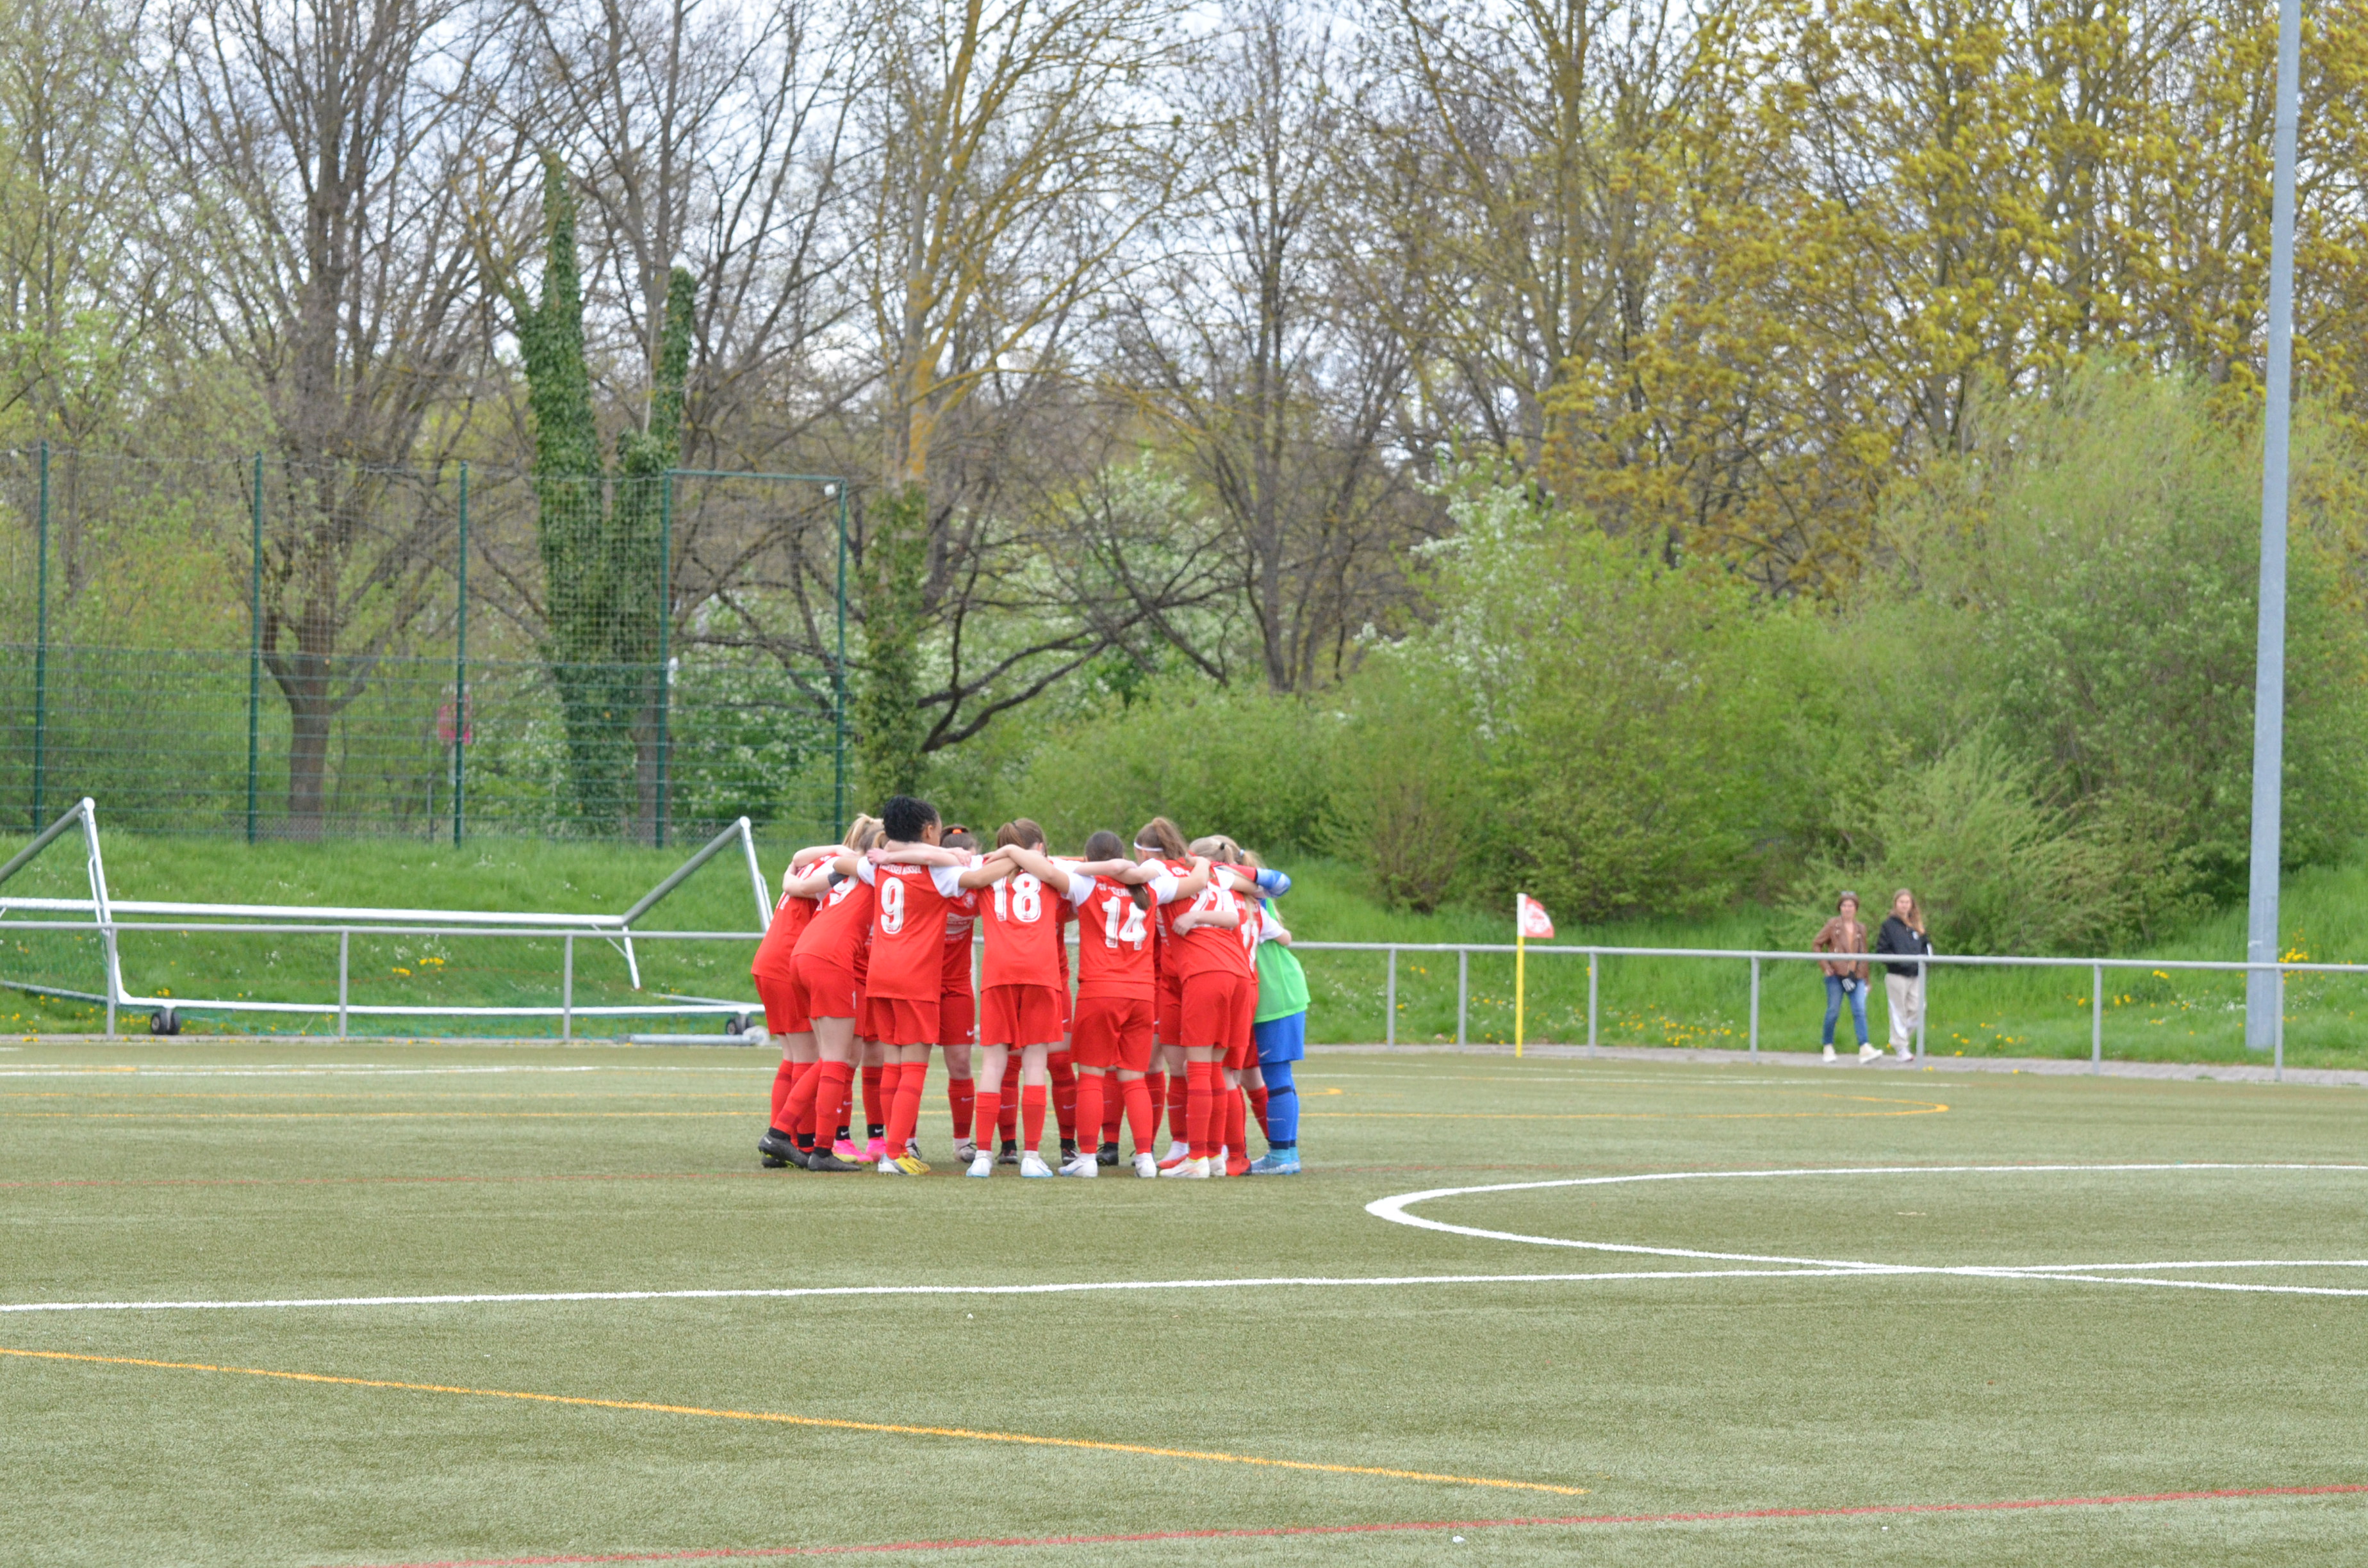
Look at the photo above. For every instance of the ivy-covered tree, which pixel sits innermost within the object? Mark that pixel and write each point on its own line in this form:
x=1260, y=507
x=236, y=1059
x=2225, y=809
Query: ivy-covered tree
x=601, y=537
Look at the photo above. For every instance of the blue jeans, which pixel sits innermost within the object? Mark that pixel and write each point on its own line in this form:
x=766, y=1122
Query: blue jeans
x=1837, y=987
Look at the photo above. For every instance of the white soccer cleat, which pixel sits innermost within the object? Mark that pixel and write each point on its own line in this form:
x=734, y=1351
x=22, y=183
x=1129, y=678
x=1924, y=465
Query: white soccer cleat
x=1190, y=1170
x=1829, y=1053
x=982, y=1164
x=888, y=1167
x=1144, y=1165
x=1084, y=1164
x=1217, y=1165
x=1177, y=1150
x=1869, y=1054
x=1032, y=1164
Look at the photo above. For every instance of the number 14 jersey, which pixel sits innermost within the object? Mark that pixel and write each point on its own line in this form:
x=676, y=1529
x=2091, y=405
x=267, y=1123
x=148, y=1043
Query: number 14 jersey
x=1117, y=953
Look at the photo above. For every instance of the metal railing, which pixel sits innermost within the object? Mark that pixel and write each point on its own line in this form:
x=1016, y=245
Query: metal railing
x=1757, y=958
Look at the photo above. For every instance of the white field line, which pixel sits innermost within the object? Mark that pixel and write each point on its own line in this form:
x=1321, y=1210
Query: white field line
x=1394, y=1208
x=1083, y=1288
x=327, y=1071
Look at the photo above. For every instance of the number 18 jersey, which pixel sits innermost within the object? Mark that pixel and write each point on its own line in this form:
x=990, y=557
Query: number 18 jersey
x=1117, y=952
x=1023, y=919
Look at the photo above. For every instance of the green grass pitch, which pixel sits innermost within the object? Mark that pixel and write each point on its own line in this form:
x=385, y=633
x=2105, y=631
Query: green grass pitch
x=277, y=1171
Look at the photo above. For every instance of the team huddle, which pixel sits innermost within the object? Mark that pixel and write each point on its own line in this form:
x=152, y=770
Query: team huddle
x=1188, y=1000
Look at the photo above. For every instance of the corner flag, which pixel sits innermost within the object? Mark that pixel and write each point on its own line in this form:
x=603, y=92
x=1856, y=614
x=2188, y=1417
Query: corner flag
x=1530, y=919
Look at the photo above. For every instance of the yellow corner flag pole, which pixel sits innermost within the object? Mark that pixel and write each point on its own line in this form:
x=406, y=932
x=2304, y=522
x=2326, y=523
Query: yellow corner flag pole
x=1520, y=973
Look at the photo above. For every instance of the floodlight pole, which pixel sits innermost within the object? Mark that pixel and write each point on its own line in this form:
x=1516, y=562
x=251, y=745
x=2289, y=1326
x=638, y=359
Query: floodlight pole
x=2262, y=999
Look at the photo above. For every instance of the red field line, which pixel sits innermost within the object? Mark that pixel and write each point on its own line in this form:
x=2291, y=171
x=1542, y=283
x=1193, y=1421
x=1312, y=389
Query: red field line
x=402, y=1181
x=2003, y=1504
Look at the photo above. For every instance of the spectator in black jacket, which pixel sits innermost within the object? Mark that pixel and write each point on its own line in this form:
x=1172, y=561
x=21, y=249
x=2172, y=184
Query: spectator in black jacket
x=1903, y=984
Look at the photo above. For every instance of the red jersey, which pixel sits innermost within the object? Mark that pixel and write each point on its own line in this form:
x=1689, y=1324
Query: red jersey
x=1023, y=934
x=908, y=925
x=961, y=919
x=1204, y=948
x=1162, y=919
x=1249, y=904
x=841, y=928
x=1117, y=954
x=780, y=943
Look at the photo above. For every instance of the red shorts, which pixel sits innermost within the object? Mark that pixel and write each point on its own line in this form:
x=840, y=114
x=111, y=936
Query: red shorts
x=957, y=1018
x=1169, y=1016
x=1112, y=1031
x=1208, y=1010
x=1241, y=1041
x=898, y=1020
x=785, y=1005
x=827, y=990
x=1020, y=1015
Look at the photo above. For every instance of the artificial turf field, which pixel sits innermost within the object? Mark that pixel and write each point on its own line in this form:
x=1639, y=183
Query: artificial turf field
x=1781, y=1394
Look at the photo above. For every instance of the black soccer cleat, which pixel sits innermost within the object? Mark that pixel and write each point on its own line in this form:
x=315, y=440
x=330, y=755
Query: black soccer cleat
x=1107, y=1155
x=1011, y=1154
x=824, y=1159
x=778, y=1149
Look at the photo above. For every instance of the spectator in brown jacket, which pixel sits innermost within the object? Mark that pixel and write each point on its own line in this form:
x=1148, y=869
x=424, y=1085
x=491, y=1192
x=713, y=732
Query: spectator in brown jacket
x=1845, y=981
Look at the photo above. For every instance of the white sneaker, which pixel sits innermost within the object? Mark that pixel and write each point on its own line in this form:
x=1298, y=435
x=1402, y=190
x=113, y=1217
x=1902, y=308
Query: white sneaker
x=1191, y=1170
x=982, y=1164
x=1083, y=1164
x=1178, y=1150
x=1869, y=1053
x=1144, y=1165
x=965, y=1152
x=1829, y=1053
x=1032, y=1164
x=1906, y=1054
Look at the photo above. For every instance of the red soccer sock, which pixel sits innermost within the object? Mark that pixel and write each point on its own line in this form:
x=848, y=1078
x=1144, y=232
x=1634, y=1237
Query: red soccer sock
x=1257, y=1107
x=1113, y=1108
x=1141, y=1115
x=1007, y=1125
x=845, y=1105
x=1180, y=1107
x=1199, y=1104
x=830, y=1080
x=785, y=1077
x=906, y=1115
x=800, y=1107
x=1236, y=1119
x=875, y=1093
x=1061, y=1067
x=961, y=1098
x=1032, y=1115
x=1090, y=1087
x=990, y=1109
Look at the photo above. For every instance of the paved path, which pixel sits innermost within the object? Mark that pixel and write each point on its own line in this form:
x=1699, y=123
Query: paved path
x=2219, y=1072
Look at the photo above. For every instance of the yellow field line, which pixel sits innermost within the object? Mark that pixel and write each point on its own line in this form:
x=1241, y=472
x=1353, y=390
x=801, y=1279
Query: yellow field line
x=1023, y=1437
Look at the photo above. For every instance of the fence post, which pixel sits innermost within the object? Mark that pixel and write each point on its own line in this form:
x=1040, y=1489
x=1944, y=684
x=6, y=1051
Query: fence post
x=567, y=987
x=255, y=645
x=665, y=640
x=114, y=978
x=838, y=682
x=42, y=641
x=2278, y=1039
x=2097, y=1019
x=1390, y=1007
x=1923, y=1004
x=1462, y=989
x=460, y=669
x=1591, y=1001
x=345, y=955
x=1755, y=1008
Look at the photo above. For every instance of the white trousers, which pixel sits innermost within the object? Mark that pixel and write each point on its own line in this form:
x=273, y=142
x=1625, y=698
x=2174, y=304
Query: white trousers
x=1905, y=995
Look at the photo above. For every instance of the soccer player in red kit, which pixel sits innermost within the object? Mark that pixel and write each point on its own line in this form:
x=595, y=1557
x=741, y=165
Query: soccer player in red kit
x=1209, y=967
x=1228, y=1125
x=824, y=981
x=958, y=1002
x=802, y=887
x=907, y=964
x=1159, y=840
x=1022, y=1003
x=1118, y=980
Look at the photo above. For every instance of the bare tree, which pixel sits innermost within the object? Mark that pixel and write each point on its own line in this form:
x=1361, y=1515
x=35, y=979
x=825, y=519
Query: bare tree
x=317, y=148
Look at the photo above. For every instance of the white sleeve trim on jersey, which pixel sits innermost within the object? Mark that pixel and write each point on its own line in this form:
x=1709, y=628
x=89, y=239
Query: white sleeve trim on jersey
x=865, y=872
x=1163, y=888
x=948, y=879
x=1081, y=885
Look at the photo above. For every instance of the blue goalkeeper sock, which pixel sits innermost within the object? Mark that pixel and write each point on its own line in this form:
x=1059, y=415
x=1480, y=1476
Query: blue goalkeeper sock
x=1282, y=1106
